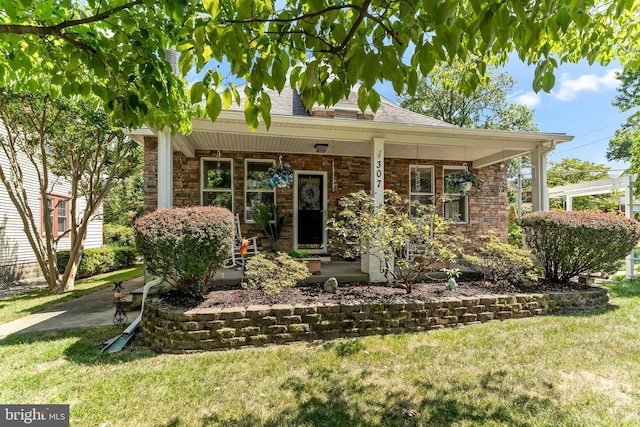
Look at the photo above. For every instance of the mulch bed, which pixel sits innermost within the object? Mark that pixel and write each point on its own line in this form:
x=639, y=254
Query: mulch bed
x=356, y=293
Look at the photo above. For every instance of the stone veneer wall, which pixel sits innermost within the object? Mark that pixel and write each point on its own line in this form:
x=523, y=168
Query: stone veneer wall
x=487, y=210
x=13, y=272
x=170, y=329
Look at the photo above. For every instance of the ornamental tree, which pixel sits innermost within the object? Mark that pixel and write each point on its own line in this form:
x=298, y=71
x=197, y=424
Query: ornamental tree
x=60, y=139
x=114, y=49
x=408, y=238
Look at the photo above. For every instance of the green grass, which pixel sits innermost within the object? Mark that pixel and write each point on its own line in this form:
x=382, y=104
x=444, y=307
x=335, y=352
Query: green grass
x=575, y=370
x=18, y=306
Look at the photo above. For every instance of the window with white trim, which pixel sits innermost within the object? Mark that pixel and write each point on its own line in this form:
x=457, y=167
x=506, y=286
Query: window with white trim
x=455, y=205
x=421, y=184
x=58, y=214
x=217, y=182
x=256, y=191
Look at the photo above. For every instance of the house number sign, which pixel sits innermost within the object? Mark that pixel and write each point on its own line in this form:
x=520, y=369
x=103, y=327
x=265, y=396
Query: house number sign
x=379, y=170
x=379, y=173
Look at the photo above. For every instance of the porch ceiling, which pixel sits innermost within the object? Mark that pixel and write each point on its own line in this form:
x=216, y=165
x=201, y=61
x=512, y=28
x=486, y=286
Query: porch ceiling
x=298, y=135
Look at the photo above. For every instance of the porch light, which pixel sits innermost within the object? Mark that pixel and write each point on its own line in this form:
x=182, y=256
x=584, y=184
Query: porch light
x=321, y=148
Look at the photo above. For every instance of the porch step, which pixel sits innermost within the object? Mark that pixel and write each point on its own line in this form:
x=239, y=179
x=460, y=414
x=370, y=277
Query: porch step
x=136, y=297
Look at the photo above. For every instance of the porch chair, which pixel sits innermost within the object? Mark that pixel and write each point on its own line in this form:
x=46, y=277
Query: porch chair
x=235, y=257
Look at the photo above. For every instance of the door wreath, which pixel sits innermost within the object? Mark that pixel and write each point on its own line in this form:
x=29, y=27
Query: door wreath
x=310, y=194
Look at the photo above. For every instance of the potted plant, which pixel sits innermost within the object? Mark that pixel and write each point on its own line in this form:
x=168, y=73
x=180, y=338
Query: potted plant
x=313, y=263
x=279, y=175
x=270, y=222
x=462, y=182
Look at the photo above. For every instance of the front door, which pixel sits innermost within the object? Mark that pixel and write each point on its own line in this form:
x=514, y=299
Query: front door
x=310, y=207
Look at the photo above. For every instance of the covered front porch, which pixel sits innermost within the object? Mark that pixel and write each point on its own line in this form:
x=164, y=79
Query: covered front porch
x=340, y=157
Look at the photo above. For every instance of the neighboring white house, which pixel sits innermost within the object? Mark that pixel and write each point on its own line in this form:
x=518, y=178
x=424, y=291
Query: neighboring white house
x=17, y=260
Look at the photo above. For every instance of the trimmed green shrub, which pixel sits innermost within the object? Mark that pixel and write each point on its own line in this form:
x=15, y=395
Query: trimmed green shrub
x=119, y=235
x=185, y=246
x=515, y=231
x=273, y=274
x=99, y=260
x=503, y=263
x=568, y=244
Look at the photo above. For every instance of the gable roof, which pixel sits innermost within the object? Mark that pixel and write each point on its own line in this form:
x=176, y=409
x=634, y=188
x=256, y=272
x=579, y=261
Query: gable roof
x=288, y=103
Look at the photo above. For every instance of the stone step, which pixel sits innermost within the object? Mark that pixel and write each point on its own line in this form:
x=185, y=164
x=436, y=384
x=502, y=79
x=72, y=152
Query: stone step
x=136, y=296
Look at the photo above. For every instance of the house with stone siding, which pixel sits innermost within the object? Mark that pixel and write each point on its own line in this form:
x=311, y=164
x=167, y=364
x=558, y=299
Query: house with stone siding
x=333, y=152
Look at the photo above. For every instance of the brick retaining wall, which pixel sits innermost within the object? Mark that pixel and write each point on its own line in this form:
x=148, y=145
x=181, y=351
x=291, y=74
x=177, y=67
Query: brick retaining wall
x=170, y=329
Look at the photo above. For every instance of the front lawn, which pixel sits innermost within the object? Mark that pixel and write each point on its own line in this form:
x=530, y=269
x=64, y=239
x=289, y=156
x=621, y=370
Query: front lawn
x=576, y=370
x=17, y=306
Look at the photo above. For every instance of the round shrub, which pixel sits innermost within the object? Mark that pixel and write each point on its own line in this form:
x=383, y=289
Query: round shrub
x=571, y=243
x=185, y=246
x=274, y=274
x=503, y=263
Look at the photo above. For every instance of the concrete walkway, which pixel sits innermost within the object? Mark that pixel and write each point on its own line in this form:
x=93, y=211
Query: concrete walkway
x=97, y=308
x=93, y=309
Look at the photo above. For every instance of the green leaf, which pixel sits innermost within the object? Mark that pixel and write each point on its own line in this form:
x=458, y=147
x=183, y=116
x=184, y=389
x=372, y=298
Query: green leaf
x=85, y=89
x=244, y=9
x=133, y=100
x=251, y=115
x=581, y=18
x=227, y=98
x=445, y=10
x=185, y=62
x=363, y=98
x=265, y=110
x=374, y=100
x=197, y=91
x=54, y=92
x=212, y=7
x=236, y=95
x=278, y=75
x=548, y=81
x=311, y=73
x=214, y=105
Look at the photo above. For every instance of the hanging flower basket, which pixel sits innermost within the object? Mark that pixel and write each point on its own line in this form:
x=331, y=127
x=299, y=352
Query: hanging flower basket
x=279, y=175
x=462, y=182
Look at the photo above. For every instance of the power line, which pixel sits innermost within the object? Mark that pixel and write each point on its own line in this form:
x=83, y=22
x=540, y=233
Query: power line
x=617, y=122
x=580, y=146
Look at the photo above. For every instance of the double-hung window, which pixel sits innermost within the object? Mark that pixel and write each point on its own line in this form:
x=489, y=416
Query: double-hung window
x=421, y=184
x=256, y=191
x=455, y=205
x=58, y=214
x=217, y=182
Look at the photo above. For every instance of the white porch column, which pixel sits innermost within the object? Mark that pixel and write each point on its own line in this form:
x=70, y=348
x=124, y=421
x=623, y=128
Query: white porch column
x=377, y=170
x=539, y=196
x=370, y=264
x=628, y=212
x=165, y=169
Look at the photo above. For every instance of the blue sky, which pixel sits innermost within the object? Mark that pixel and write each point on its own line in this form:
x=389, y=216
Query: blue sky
x=579, y=105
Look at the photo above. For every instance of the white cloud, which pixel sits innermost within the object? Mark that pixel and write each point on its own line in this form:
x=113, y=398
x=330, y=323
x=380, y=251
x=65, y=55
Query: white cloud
x=530, y=99
x=570, y=88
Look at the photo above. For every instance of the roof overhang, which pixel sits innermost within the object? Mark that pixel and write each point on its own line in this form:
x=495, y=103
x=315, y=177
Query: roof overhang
x=299, y=135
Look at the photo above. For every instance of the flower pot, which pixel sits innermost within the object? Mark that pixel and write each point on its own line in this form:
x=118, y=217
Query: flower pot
x=313, y=264
x=465, y=187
